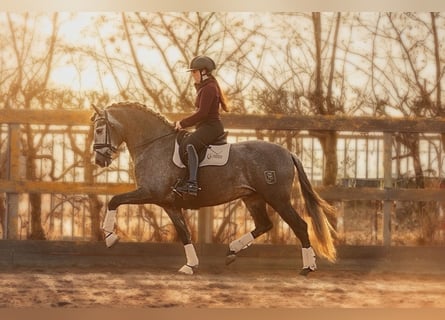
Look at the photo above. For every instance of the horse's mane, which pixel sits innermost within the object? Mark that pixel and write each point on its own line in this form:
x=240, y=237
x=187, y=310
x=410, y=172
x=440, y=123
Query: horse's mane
x=141, y=107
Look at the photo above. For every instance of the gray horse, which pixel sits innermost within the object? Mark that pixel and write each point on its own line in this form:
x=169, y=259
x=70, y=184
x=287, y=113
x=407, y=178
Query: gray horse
x=258, y=172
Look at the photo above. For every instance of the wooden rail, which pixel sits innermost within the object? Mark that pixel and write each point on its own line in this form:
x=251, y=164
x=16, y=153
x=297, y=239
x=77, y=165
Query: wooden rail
x=238, y=121
x=12, y=185
x=329, y=193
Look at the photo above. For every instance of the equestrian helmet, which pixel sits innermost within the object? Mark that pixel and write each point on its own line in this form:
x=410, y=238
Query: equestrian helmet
x=202, y=62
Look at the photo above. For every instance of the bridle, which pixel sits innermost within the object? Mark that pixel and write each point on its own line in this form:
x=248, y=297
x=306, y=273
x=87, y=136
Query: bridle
x=108, y=143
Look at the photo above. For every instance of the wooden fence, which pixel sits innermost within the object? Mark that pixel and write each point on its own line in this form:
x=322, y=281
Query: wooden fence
x=13, y=185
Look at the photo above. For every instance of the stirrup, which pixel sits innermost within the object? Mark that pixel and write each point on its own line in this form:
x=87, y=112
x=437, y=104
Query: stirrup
x=190, y=187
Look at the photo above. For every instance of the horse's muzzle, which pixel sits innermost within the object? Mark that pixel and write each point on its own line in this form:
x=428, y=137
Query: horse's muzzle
x=102, y=160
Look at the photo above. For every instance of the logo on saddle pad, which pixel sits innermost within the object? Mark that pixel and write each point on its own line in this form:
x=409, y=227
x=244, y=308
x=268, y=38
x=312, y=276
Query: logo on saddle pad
x=216, y=155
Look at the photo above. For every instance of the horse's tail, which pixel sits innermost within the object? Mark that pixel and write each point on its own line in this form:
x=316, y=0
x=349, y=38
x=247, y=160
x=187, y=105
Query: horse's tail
x=317, y=210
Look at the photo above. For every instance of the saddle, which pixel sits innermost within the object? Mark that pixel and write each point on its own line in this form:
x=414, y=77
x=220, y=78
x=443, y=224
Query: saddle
x=216, y=154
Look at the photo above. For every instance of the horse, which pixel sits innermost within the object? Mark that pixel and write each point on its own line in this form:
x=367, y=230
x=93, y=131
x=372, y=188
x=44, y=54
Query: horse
x=258, y=172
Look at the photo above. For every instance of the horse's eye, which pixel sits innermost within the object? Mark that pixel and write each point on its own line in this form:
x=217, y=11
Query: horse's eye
x=99, y=130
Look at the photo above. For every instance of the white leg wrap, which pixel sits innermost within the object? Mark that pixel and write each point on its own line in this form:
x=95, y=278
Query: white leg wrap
x=192, y=260
x=111, y=239
x=190, y=253
x=109, y=221
x=108, y=227
x=241, y=243
x=309, y=258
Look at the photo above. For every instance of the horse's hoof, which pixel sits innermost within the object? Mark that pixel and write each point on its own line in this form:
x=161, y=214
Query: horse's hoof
x=306, y=271
x=111, y=239
x=230, y=258
x=189, y=270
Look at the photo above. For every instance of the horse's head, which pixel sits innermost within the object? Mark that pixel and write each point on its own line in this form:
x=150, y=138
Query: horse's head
x=106, y=138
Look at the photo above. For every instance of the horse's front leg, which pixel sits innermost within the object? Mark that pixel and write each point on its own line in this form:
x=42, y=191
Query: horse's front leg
x=139, y=196
x=178, y=220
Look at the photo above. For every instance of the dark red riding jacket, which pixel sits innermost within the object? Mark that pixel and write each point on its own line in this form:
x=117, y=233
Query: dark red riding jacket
x=207, y=104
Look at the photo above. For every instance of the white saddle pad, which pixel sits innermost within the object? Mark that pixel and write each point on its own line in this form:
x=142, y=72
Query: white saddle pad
x=216, y=155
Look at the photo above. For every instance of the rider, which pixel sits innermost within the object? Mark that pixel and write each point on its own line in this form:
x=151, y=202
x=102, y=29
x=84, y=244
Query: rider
x=206, y=118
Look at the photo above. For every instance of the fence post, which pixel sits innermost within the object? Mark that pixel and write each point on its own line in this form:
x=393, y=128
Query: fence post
x=12, y=173
x=387, y=177
x=205, y=225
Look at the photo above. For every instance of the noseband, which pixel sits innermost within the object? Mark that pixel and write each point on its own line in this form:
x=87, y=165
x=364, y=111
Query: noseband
x=107, y=143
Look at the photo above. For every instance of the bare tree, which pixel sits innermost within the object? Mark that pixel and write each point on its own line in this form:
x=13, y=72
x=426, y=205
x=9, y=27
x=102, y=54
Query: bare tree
x=95, y=205
x=439, y=70
x=324, y=102
x=26, y=88
x=408, y=80
x=2, y=196
x=161, y=46
x=406, y=74
x=310, y=76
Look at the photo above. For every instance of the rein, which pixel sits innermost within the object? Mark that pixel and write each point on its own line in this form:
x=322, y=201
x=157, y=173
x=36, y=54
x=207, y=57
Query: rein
x=152, y=140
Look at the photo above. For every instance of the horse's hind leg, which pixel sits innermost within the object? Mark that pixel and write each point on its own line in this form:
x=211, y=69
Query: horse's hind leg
x=257, y=208
x=299, y=227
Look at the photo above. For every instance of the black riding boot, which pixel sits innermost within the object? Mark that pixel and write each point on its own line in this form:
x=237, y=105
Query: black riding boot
x=191, y=186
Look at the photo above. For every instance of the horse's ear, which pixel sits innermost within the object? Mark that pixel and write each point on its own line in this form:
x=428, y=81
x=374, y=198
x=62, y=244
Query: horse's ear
x=98, y=110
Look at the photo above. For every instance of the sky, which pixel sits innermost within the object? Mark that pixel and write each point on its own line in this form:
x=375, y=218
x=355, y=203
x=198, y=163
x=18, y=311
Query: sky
x=227, y=5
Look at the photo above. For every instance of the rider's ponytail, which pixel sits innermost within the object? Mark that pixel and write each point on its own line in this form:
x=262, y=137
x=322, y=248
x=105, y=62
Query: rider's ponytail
x=223, y=99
